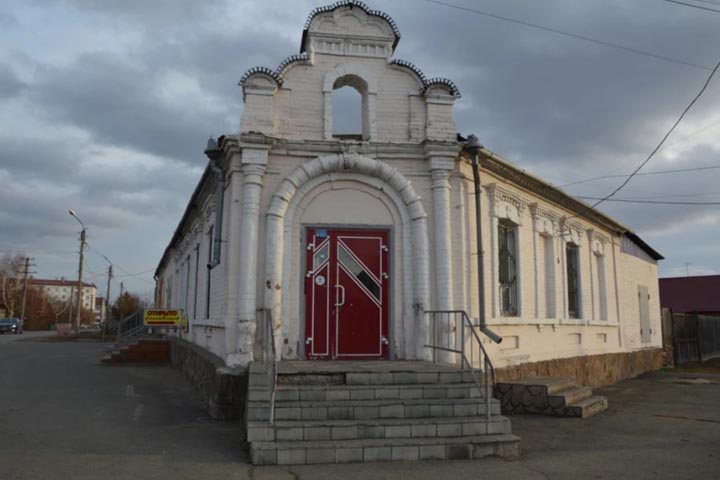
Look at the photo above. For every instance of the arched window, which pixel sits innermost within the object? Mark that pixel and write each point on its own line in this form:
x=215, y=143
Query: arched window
x=347, y=113
x=350, y=104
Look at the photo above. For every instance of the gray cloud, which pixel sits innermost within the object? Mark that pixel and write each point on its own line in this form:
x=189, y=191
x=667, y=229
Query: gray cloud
x=562, y=108
x=10, y=85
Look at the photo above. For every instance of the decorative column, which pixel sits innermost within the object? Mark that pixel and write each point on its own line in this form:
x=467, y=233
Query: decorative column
x=536, y=219
x=231, y=245
x=253, y=166
x=440, y=168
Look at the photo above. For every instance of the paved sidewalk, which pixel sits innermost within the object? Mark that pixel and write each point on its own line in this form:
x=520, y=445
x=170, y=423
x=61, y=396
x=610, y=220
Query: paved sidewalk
x=64, y=416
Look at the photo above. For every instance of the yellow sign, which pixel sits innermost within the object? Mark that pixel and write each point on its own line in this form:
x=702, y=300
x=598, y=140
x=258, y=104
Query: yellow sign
x=163, y=318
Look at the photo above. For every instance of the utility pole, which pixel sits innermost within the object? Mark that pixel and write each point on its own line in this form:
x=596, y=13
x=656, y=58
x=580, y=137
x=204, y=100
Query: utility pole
x=107, y=303
x=80, y=270
x=79, y=287
x=119, y=326
x=107, y=295
x=70, y=306
x=26, y=272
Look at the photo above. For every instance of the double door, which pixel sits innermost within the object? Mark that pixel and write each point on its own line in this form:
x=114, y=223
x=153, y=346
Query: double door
x=346, y=291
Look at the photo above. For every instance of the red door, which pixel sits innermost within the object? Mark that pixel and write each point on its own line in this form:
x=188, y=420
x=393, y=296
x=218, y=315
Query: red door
x=346, y=292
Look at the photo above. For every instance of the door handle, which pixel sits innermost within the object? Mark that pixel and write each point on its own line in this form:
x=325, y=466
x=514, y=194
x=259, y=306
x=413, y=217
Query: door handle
x=342, y=289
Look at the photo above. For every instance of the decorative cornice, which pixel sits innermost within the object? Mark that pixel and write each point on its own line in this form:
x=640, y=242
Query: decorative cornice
x=350, y=3
x=410, y=66
x=523, y=179
x=280, y=70
x=501, y=194
x=449, y=84
x=277, y=74
x=262, y=71
x=427, y=83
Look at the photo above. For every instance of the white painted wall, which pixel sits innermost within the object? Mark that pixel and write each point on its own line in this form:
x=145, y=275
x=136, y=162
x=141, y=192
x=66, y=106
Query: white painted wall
x=406, y=177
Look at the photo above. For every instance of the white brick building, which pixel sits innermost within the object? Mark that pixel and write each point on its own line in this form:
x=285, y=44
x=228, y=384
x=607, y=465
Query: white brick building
x=348, y=240
x=66, y=291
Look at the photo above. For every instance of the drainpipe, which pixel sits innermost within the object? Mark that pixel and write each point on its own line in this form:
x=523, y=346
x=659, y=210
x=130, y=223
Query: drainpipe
x=473, y=148
x=214, y=153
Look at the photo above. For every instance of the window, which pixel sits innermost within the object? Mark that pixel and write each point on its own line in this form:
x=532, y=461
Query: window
x=347, y=114
x=507, y=261
x=350, y=116
x=197, y=270
x=602, y=289
x=572, y=255
x=209, y=271
x=549, y=251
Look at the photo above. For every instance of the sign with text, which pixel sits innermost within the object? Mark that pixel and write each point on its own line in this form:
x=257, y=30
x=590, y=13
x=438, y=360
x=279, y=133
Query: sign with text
x=157, y=317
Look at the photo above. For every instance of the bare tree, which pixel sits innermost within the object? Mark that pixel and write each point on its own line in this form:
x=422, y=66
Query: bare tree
x=11, y=268
x=57, y=308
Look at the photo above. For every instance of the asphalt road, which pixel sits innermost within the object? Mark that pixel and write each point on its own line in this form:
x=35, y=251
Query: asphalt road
x=11, y=337
x=64, y=416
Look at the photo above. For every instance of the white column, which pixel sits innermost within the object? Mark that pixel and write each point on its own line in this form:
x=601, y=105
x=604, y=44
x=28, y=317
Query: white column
x=253, y=169
x=536, y=260
x=443, y=255
x=231, y=245
x=593, y=304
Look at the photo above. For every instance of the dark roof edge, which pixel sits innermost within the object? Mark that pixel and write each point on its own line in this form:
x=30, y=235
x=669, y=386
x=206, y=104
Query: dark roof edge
x=549, y=191
x=192, y=204
x=644, y=246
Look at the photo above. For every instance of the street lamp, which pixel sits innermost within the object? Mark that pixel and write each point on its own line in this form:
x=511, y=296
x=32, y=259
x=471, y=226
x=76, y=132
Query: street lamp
x=80, y=272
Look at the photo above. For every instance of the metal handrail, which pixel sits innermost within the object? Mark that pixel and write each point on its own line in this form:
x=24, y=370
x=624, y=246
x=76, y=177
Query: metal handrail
x=130, y=327
x=441, y=335
x=269, y=357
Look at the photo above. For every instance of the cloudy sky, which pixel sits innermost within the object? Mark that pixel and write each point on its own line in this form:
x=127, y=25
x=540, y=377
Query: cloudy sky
x=105, y=107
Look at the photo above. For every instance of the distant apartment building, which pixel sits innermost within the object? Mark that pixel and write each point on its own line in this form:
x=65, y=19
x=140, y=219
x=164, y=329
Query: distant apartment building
x=100, y=309
x=65, y=290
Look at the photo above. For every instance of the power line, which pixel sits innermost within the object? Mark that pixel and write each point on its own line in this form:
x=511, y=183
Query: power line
x=568, y=34
x=656, y=202
x=136, y=273
x=659, y=145
x=694, y=6
x=129, y=274
x=657, y=172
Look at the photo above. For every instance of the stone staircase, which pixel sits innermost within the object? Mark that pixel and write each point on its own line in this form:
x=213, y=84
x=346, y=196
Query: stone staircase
x=557, y=396
x=144, y=350
x=338, y=412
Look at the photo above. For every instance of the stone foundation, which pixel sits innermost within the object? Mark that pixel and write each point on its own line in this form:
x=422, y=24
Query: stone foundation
x=223, y=390
x=589, y=370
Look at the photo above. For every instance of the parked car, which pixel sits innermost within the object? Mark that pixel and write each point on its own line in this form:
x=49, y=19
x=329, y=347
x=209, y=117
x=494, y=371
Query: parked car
x=11, y=325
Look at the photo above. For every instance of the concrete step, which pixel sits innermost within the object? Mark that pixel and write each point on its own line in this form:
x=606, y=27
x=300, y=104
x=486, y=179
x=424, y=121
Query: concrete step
x=587, y=407
x=367, y=409
x=568, y=396
x=365, y=392
x=386, y=449
x=546, y=385
x=312, y=430
x=548, y=396
x=366, y=378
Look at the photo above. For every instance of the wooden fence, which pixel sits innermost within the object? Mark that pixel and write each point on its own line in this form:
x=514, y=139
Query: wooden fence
x=693, y=338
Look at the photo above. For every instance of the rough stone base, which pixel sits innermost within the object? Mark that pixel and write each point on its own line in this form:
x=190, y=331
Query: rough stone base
x=223, y=390
x=590, y=370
